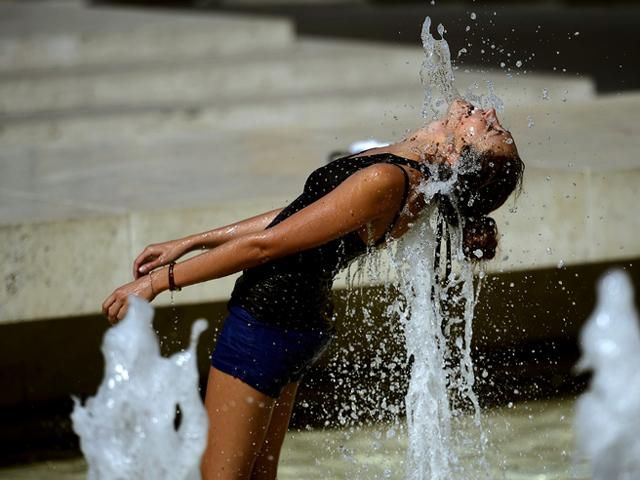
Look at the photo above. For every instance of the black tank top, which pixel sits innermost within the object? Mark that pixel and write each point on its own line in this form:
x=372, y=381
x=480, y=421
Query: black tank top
x=295, y=291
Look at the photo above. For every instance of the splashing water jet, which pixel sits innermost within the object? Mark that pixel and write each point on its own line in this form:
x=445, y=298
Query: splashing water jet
x=608, y=413
x=438, y=340
x=437, y=317
x=132, y=429
x=437, y=72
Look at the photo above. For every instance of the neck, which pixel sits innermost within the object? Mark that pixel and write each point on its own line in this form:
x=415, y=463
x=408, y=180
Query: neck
x=422, y=145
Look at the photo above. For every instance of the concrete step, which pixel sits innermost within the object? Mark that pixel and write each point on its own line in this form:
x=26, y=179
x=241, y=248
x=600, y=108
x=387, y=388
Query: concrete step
x=118, y=174
x=146, y=124
x=303, y=67
x=40, y=35
x=318, y=105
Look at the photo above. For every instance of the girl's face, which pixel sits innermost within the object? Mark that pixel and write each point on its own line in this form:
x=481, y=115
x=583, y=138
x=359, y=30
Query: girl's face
x=479, y=128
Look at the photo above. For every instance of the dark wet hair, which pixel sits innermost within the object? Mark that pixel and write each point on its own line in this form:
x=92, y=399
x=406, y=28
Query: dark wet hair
x=483, y=183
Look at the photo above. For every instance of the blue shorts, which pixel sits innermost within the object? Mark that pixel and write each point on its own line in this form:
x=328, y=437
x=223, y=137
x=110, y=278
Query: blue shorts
x=264, y=356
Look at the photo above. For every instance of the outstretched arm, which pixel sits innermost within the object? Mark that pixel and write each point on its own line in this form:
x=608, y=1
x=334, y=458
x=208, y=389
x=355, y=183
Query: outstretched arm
x=369, y=197
x=159, y=254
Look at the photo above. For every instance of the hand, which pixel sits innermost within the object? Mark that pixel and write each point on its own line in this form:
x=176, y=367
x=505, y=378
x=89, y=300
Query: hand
x=115, y=306
x=157, y=255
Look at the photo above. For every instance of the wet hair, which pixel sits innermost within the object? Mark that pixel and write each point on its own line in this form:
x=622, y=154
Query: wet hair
x=483, y=183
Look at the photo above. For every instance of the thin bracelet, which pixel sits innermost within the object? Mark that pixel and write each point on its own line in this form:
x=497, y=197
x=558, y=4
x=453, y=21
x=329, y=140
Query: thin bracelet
x=153, y=290
x=172, y=283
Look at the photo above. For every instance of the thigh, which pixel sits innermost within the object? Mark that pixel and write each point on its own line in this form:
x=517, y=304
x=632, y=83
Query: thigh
x=265, y=356
x=239, y=417
x=266, y=465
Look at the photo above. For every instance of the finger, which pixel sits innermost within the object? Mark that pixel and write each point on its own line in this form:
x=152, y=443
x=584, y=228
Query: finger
x=106, y=304
x=147, y=267
x=123, y=311
x=142, y=258
x=147, y=264
x=112, y=313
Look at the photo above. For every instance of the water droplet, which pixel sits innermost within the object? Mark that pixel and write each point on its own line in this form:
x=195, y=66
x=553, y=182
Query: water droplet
x=518, y=64
x=549, y=251
x=473, y=15
x=561, y=264
x=530, y=122
x=502, y=64
x=545, y=94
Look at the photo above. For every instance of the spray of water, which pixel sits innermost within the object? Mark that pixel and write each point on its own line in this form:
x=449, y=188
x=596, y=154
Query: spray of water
x=437, y=318
x=147, y=419
x=438, y=79
x=436, y=73
x=608, y=413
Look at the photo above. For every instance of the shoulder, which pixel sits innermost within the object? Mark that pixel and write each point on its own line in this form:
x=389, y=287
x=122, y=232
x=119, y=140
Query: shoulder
x=382, y=176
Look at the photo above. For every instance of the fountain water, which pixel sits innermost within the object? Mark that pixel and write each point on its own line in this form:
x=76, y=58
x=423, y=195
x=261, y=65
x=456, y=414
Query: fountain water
x=608, y=414
x=438, y=340
x=147, y=419
x=438, y=337
x=437, y=72
x=438, y=78
x=435, y=320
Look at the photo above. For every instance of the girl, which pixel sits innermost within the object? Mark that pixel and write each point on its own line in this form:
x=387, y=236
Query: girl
x=280, y=312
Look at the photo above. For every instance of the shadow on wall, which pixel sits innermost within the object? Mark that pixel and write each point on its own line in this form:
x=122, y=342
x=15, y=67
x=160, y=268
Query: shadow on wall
x=524, y=347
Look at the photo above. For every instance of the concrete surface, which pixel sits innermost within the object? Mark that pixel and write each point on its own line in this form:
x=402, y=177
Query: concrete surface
x=95, y=165
x=38, y=35
x=520, y=436
x=303, y=68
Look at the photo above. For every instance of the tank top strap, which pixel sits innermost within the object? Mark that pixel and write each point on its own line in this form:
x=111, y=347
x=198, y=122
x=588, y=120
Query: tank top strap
x=423, y=168
x=394, y=159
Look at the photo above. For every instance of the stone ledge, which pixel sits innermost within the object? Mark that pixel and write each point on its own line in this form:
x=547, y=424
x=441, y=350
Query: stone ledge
x=350, y=104
x=62, y=34
x=305, y=67
x=67, y=268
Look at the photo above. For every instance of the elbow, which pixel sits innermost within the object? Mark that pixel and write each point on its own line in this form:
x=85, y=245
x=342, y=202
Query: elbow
x=260, y=249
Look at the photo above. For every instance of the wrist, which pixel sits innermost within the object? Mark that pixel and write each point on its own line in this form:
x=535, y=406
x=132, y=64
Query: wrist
x=159, y=280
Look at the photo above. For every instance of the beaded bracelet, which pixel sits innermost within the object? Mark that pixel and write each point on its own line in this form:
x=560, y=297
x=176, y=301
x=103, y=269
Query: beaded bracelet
x=172, y=283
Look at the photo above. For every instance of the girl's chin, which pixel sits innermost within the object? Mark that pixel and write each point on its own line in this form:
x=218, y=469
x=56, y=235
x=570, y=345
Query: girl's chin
x=436, y=126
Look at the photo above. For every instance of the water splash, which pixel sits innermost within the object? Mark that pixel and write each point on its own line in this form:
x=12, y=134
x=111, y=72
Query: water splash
x=608, y=413
x=437, y=72
x=132, y=429
x=438, y=79
x=438, y=329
